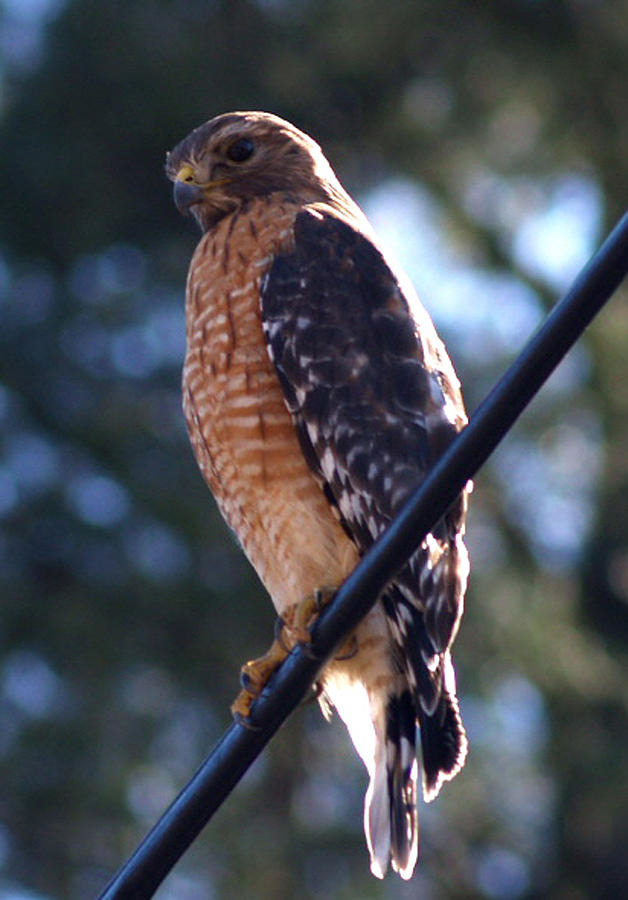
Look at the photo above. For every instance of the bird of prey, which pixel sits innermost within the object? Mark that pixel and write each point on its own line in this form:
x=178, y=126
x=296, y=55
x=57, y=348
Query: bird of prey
x=317, y=396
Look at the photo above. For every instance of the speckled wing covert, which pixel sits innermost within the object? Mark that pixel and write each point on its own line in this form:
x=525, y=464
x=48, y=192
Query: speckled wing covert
x=375, y=402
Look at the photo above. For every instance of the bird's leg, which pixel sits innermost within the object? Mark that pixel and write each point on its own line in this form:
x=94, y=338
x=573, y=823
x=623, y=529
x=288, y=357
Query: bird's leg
x=307, y=612
x=292, y=628
x=301, y=617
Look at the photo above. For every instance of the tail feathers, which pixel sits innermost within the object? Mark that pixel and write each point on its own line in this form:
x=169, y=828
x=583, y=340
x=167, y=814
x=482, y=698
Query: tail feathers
x=391, y=821
x=443, y=738
x=402, y=777
x=377, y=816
x=432, y=682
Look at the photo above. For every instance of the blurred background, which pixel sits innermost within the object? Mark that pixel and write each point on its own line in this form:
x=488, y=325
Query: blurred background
x=489, y=144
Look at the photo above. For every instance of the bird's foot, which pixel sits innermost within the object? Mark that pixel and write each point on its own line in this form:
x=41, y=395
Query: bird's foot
x=253, y=677
x=292, y=628
x=297, y=624
x=307, y=612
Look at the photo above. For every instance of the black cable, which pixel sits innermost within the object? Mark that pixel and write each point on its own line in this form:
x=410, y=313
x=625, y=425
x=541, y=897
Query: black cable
x=240, y=745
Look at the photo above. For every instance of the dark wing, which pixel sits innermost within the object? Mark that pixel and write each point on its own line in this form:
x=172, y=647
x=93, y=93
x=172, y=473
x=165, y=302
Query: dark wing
x=373, y=396
x=375, y=401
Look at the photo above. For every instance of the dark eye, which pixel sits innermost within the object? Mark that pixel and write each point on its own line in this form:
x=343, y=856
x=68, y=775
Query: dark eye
x=240, y=150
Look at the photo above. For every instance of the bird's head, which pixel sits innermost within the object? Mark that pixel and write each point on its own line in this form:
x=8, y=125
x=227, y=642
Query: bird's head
x=238, y=156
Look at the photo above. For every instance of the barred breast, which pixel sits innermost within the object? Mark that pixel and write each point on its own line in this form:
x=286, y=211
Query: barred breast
x=246, y=445
x=242, y=434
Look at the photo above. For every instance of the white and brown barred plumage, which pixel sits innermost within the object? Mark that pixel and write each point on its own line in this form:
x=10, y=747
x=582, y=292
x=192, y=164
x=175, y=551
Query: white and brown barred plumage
x=317, y=396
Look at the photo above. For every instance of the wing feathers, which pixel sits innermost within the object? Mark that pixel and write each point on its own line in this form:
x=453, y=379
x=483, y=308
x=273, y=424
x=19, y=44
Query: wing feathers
x=375, y=402
x=364, y=388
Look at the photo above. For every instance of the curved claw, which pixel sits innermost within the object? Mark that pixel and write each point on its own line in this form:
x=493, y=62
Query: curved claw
x=241, y=711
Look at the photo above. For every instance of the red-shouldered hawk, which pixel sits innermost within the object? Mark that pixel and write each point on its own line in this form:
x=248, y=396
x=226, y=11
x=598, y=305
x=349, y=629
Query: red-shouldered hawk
x=317, y=396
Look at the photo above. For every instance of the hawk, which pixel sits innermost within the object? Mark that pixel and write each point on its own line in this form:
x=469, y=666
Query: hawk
x=317, y=395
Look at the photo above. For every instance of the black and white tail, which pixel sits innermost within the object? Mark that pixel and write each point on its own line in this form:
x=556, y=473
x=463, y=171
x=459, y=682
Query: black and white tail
x=400, y=689
x=391, y=816
x=425, y=696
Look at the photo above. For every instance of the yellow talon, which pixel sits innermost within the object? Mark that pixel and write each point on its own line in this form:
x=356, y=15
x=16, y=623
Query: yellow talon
x=295, y=629
x=298, y=623
x=254, y=675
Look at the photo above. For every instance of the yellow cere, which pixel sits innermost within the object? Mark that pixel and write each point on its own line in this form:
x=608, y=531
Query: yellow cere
x=186, y=173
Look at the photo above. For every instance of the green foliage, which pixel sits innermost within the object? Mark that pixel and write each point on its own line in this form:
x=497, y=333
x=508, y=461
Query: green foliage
x=498, y=132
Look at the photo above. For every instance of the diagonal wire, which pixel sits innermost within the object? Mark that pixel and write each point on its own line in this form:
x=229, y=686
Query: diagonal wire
x=145, y=870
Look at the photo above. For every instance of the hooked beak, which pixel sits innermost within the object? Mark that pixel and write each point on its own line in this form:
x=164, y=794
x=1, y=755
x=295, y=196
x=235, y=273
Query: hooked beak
x=186, y=195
